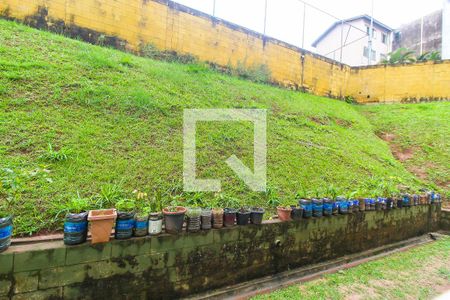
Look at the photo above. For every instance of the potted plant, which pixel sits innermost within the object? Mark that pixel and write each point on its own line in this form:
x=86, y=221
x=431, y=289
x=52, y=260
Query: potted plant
x=141, y=222
x=101, y=223
x=174, y=217
x=206, y=218
x=217, y=217
x=243, y=216
x=6, y=228
x=125, y=218
x=343, y=205
x=155, y=218
x=193, y=218
x=76, y=221
x=284, y=213
x=327, y=207
x=141, y=217
x=256, y=215
x=229, y=213
x=331, y=193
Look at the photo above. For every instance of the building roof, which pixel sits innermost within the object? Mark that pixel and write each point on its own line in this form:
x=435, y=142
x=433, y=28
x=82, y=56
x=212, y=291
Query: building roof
x=364, y=17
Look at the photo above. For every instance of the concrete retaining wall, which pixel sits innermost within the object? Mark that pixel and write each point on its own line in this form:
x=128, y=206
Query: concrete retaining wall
x=170, y=266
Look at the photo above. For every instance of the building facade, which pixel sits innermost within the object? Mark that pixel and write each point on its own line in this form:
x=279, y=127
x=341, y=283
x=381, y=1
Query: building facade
x=421, y=35
x=354, y=36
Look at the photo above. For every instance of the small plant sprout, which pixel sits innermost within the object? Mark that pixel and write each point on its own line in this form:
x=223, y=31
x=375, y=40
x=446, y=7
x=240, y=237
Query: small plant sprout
x=78, y=205
x=126, y=205
x=53, y=155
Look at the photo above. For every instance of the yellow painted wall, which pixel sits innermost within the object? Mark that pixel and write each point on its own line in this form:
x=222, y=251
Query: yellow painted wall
x=170, y=26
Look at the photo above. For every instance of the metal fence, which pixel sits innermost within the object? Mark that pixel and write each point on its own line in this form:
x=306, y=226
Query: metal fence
x=293, y=21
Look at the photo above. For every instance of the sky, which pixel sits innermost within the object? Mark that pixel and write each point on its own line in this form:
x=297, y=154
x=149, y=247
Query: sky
x=285, y=17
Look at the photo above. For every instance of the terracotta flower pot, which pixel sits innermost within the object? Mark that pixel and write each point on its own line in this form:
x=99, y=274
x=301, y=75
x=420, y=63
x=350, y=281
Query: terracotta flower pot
x=284, y=213
x=102, y=222
x=174, y=219
x=217, y=214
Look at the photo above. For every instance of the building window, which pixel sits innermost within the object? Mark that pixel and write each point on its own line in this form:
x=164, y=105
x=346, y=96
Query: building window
x=373, y=32
x=384, y=38
x=366, y=53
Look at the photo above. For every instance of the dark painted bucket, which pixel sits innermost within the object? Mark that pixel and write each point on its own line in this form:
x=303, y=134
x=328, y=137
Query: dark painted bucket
x=389, y=203
x=75, y=228
x=256, y=215
x=378, y=204
x=229, y=217
x=296, y=213
x=124, y=225
x=327, y=207
x=242, y=217
x=317, y=205
x=140, y=226
x=6, y=230
x=307, y=207
x=415, y=200
x=335, y=207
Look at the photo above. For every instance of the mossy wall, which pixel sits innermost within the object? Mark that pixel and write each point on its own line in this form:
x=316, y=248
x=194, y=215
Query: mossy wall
x=171, y=266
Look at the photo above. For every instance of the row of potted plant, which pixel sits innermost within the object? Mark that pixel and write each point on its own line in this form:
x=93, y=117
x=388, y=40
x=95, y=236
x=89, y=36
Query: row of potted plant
x=129, y=221
x=308, y=208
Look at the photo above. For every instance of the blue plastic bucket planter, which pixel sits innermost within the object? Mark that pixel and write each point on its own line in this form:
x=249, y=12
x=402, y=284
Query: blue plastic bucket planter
x=75, y=228
x=124, y=225
x=327, y=207
x=389, y=203
x=367, y=203
x=415, y=199
x=335, y=207
x=317, y=208
x=307, y=207
x=6, y=229
x=140, y=225
x=355, y=205
x=350, y=206
x=372, y=204
x=343, y=205
x=406, y=200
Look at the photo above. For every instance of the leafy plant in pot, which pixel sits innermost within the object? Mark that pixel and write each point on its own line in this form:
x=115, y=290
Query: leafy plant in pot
x=76, y=221
x=194, y=212
x=6, y=227
x=142, y=211
x=174, y=217
x=125, y=218
x=217, y=212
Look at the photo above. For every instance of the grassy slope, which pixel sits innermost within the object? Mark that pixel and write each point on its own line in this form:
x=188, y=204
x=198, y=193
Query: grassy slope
x=419, y=136
x=420, y=273
x=120, y=118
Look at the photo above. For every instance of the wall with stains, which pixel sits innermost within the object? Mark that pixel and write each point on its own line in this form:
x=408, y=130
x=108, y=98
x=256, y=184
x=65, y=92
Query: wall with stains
x=172, y=266
x=134, y=24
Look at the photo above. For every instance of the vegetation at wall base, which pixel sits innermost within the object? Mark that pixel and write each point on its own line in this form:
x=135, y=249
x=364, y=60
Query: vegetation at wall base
x=78, y=119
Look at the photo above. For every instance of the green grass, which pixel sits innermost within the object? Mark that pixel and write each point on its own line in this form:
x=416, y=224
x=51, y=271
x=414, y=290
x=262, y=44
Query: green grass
x=114, y=123
x=422, y=129
x=420, y=273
